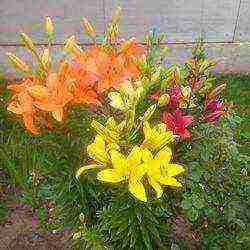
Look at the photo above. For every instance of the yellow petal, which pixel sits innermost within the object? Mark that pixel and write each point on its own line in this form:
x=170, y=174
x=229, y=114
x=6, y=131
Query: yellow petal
x=118, y=160
x=170, y=181
x=110, y=175
x=156, y=186
x=81, y=170
x=138, y=190
x=164, y=155
x=97, y=150
x=146, y=130
x=146, y=155
x=174, y=169
x=135, y=156
x=58, y=114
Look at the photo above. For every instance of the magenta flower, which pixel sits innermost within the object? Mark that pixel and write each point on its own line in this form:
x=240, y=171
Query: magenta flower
x=175, y=93
x=213, y=110
x=178, y=123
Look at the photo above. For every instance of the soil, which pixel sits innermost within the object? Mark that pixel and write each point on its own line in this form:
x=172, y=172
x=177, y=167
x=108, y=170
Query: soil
x=21, y=232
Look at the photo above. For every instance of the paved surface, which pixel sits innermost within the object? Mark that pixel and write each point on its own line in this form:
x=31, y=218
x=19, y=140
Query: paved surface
x=220, y=20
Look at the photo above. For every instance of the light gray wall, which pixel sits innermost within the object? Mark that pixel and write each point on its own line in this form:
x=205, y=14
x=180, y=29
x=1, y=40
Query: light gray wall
x=224, y=23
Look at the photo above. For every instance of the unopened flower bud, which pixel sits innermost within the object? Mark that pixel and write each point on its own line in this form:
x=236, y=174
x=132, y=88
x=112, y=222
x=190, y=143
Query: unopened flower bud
x=49, y=27
x=88, y=27
x=117, y=15
x=71, y=46
x=163, y=100
x=46, y=58
x=17, y=62
x=147, y=40
x=27, y=41
x=149, y=112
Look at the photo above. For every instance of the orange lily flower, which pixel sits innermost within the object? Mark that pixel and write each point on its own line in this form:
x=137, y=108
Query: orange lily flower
x=23, y=104
x=52, y=97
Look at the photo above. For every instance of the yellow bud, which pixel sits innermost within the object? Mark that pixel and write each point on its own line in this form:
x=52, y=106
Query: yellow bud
x=113, y=31
x=63, y=71
x=88, y=27
x=27, y=41
x=163, y=100
x=46, y=58
x=146, y=40
x=71, y=46
x=156, y=76
x=117, y=15
x=149, y=112
x=17, y=62
x=217, y=91
x=82, y=218
x=49, y=26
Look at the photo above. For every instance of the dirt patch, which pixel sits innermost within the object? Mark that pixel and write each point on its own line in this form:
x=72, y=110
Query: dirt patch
x=21, y=232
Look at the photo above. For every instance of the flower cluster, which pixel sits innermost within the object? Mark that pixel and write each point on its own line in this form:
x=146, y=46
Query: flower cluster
x=151, y=160
x=81, y=78
x=124, y=71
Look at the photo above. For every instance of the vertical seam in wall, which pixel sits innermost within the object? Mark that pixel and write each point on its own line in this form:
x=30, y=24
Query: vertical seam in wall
x=236, y=21
x=104, y=14
x=202, y=17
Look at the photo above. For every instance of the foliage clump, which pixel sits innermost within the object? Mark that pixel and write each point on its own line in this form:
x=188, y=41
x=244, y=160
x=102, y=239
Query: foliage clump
x=148, y=156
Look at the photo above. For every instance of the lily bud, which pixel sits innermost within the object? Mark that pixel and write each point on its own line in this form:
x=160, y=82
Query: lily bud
x=156, y=76
x=217, y=91
x=117, y=15
x=27, y=41
x=71, y=46
x=49, y=27
x=163, y=100
x=88, y=27
x=46, y=58
x=147, y=40
x=149, y=112
x=17, y=62
x=113, y=32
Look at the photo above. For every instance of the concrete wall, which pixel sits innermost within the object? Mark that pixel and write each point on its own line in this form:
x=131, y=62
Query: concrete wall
x=224, y=22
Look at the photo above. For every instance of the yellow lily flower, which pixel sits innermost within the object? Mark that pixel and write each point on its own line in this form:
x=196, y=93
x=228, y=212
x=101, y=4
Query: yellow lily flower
x=160, y=171
x=158, y=136
x=111, y=131
x=127, y=169
x=99, y=152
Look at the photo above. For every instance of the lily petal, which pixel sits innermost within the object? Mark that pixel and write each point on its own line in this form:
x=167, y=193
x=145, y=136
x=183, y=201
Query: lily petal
x=110, y=175
x=138, y=190
x=170, y=181
x=164, y=155
x=118, y=160
x=156, y=186
x=174, y=169
x=81, y=170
